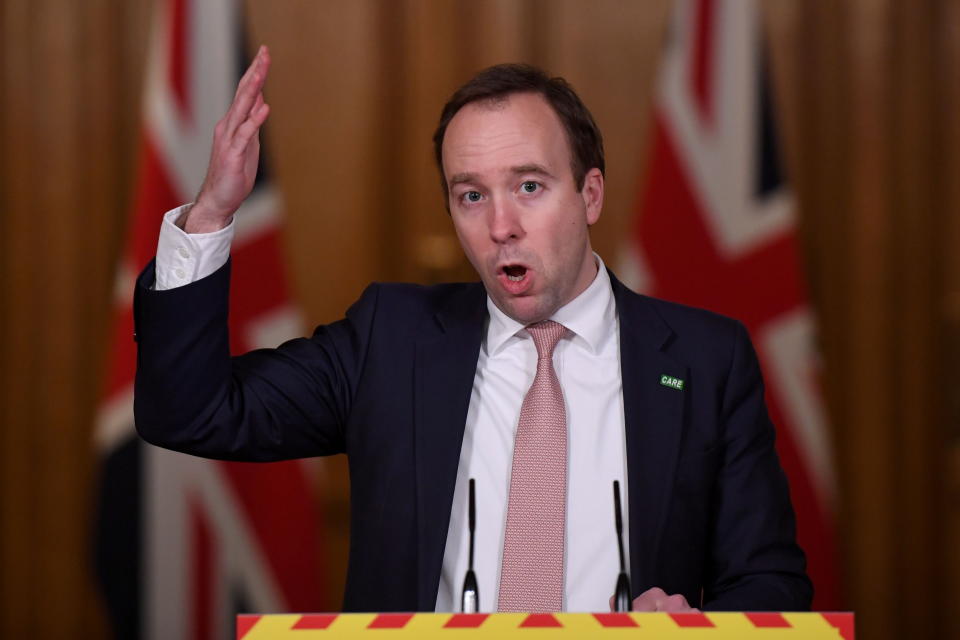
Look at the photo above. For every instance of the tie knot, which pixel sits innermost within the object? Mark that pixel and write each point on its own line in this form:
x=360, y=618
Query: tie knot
x=546, y=335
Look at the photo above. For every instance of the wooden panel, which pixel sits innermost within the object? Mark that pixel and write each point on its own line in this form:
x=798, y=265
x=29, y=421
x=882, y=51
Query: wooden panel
x=66, y=131
x=609, y=53
x=869, y=405
x=325, y=140
x=947, y=98
x=916, y=191
x=951, y=551
x=324, y=98
x=54, y=450
x=948, y=102
x=16, y=403
x=432, y=60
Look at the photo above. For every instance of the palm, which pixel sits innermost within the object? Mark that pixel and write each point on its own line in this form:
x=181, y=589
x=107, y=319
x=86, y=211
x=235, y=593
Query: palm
x=236, y=148
x=230, y=179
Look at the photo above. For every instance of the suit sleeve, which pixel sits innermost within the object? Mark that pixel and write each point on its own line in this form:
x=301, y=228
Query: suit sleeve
x=754, y=561
x=269, y=404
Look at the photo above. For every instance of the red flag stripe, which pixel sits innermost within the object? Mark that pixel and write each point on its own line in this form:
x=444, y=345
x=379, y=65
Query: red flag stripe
x=155, y=195
x=289, y=543
x=124, y=349
x=689, y=271
x=257, y=287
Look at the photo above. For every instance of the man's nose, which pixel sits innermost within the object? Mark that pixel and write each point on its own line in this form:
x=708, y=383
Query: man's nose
x=504, y=223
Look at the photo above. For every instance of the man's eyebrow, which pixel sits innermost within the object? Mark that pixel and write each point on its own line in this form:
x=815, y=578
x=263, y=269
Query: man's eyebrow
x=539, y=169
x=459, y=178
x=531, y=168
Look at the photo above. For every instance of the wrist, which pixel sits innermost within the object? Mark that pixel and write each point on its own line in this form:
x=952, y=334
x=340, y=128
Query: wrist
x=197, y=218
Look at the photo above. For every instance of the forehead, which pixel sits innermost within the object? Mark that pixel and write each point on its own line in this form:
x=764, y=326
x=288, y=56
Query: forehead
x=490, y=137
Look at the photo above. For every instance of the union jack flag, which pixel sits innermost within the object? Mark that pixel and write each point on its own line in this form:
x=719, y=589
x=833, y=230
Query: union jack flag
x=717, y=229
x=184, y=544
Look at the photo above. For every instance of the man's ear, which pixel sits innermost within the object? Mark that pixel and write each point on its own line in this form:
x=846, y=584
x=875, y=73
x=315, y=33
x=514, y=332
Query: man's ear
x=592, y=194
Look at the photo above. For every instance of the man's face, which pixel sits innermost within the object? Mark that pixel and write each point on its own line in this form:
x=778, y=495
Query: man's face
x=515, y=206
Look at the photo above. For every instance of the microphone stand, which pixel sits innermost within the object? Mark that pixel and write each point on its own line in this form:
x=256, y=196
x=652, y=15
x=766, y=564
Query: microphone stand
x=621, y=598
x=470, y=600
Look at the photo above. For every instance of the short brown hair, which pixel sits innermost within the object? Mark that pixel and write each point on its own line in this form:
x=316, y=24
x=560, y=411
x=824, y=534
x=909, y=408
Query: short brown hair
x=502, y=80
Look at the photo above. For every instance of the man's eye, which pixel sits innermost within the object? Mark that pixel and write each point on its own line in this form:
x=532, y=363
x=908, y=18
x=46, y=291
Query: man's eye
x=472, y=196
x=529, y=186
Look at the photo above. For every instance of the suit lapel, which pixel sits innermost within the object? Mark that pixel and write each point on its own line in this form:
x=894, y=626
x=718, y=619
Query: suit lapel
x=445, y=366
x=653, y=419
x=444, y=370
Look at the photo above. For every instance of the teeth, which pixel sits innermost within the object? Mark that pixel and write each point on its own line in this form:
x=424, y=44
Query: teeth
x=515, y=278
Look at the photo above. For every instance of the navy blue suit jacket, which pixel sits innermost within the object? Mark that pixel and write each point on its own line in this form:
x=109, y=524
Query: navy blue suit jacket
x=389, y=385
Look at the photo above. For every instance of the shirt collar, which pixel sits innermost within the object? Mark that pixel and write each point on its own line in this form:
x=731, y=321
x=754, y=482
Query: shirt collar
x=591, y=316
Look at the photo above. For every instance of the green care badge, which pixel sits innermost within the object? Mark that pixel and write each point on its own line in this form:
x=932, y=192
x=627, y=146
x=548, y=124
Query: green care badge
x=670, y=381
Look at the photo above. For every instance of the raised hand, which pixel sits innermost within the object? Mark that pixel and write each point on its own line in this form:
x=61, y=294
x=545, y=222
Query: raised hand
x=235, y=154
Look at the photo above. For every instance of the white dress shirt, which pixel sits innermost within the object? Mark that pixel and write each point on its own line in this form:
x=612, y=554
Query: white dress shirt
x=587, y=363
x=184, y=257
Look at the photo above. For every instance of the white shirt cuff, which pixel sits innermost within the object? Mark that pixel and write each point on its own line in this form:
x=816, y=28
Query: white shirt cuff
x=184, y=257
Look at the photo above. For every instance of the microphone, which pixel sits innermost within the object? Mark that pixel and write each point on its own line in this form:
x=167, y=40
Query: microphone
x=621, y=598
x=470, y=600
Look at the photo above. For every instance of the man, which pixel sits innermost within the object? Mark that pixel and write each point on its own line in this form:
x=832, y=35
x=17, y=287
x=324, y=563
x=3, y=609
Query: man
x=545, y=383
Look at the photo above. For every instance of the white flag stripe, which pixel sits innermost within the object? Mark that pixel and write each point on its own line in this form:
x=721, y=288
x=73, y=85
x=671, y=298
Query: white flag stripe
x=788, y=344
x=720, y=156
x=274, y=327
x=173, y=481
x=257, y=215
x=184, y=144
x=114, y=422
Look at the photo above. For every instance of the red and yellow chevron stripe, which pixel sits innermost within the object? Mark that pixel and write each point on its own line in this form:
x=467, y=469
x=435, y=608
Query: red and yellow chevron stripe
x=445, y=626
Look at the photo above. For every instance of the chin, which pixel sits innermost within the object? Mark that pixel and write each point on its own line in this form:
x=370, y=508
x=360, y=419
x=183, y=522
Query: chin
x=526, y=310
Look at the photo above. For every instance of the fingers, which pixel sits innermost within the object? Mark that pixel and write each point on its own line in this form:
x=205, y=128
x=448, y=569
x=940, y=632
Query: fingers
x=674, y=604
x=254, y=64
x=656, y=599
x=647, y=601
x=250, y=127
x=258, y=66
x=249, y=91
x=235, y=153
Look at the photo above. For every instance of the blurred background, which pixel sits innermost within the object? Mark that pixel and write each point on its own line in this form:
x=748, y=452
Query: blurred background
x=867, y=100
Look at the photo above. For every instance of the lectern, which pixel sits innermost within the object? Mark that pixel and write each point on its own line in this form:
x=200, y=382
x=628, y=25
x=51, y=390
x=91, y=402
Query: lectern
x=523, y=626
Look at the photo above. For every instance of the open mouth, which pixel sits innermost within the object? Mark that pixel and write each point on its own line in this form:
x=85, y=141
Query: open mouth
x=515, y=272
x=516, y=279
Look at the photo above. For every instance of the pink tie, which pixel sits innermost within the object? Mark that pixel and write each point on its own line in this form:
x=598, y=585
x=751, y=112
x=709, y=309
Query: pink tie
x=531, y=578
